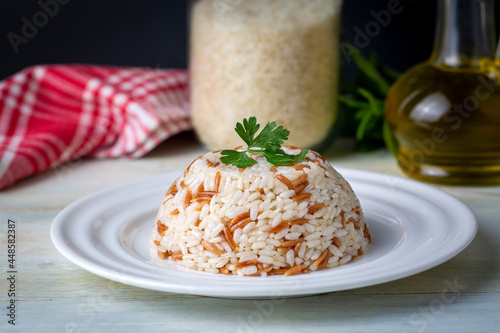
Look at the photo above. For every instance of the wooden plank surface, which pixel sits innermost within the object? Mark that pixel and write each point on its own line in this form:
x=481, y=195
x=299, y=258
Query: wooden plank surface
x=469, y=312
x=54, y=295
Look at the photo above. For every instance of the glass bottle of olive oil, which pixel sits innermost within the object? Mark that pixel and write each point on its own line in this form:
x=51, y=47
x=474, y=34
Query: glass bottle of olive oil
x=445, y=113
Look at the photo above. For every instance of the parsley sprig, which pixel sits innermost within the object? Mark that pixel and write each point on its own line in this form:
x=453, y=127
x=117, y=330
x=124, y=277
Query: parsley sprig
x=267, y=143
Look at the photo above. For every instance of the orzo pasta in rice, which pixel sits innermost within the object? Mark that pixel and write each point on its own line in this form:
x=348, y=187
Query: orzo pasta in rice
x=260, y=220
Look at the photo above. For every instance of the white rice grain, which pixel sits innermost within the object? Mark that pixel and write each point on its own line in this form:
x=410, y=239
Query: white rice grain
x=268, y=202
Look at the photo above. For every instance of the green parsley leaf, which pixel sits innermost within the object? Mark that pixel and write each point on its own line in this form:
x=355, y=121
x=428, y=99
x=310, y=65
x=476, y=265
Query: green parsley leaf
x=248, y=130
x=240, y=159
x=271, y=137
x=267, y=143
x=279, y=157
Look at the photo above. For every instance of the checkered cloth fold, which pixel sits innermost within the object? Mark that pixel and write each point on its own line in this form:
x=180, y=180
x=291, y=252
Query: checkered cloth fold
x=50, y=115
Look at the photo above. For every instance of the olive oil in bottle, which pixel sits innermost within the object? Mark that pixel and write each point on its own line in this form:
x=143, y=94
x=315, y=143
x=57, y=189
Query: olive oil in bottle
x=445, y=113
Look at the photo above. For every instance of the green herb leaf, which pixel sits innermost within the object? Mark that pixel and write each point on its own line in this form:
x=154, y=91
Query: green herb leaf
x=279, y=157
x=376, y=107
x=353, y=103
x=369, y=70
x=390, y=141
x=271, y=137
x=390, y=74
x=363, y=124
x=363, y=104
x=247, y=130
x=240, y=159
x=267, y=143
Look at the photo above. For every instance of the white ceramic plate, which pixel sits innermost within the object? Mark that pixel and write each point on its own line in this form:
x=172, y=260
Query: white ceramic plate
x=414, y=227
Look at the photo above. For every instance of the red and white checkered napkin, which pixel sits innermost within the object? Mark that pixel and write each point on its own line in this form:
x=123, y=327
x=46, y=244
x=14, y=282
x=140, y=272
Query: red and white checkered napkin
x=50, y=115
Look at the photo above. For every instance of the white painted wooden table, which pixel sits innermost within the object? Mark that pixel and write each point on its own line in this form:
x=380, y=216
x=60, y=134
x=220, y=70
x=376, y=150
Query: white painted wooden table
x=54, y=295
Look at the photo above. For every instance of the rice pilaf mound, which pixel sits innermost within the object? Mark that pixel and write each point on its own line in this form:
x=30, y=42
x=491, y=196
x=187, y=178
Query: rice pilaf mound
x=260, y=220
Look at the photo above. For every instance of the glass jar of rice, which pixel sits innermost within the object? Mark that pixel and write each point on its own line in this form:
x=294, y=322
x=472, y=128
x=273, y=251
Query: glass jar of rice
x=273, y=59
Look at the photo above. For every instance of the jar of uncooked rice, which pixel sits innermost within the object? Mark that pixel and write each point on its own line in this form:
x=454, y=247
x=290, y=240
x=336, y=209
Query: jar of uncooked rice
x=276, y=60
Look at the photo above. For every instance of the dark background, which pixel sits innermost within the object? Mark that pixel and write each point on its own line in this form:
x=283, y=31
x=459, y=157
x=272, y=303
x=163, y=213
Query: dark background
x=153, y=33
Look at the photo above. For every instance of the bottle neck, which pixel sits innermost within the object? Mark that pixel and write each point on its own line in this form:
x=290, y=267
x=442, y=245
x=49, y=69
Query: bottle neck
x=465, y=33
